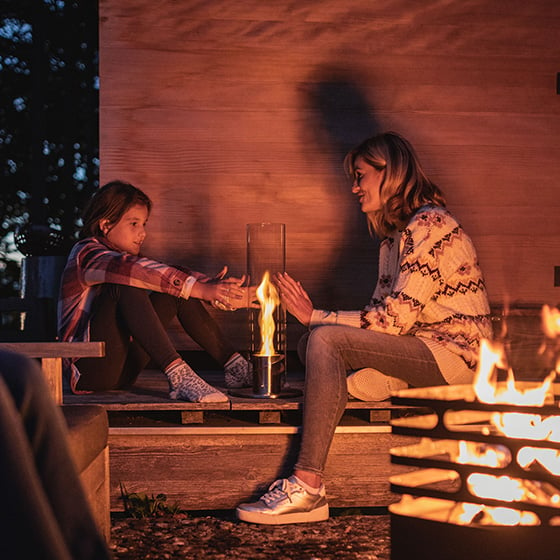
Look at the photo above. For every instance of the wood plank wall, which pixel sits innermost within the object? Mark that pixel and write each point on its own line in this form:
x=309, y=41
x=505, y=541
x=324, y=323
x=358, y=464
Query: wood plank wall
x=227, y=113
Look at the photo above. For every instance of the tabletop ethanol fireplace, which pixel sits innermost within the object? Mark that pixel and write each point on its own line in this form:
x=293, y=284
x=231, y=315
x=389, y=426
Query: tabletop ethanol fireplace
x=487, y=478
x=266, y=256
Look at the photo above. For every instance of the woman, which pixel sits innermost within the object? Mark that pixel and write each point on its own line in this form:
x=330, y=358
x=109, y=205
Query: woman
x=422, y=326
x=111, y=293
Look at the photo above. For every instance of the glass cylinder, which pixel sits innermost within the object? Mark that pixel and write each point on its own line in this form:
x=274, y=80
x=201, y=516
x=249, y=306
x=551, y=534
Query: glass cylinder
x=266, y=256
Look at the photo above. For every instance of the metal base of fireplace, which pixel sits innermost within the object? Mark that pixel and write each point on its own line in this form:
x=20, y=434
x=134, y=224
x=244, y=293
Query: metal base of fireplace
x=248, y=393
x=421, y=539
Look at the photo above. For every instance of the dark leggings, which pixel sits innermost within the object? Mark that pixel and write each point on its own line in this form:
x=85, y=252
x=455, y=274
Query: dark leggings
x=133, y=323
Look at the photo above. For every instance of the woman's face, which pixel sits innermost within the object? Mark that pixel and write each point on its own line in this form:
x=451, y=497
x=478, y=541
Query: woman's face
x=367, y=184
x=129, y=232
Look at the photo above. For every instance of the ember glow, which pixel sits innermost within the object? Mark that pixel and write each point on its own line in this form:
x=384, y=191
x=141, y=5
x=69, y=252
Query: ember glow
x=268, y=297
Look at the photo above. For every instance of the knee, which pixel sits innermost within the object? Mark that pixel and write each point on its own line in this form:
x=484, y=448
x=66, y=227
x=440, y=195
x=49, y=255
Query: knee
x=21, y=374
x=322, y=338
x=324, y=343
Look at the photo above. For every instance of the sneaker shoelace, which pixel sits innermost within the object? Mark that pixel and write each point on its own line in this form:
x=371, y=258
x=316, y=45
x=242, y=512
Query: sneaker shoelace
x=279, y=490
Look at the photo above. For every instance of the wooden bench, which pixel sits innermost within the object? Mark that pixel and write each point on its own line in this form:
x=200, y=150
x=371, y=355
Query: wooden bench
x=87, y=425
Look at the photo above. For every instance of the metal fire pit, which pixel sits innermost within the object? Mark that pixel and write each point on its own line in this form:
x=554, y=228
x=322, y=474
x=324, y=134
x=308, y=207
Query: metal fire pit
x=426, y=523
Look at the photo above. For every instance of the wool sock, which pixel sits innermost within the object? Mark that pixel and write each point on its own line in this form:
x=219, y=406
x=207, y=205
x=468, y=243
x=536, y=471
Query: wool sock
x=186, y=385
x=238, y=372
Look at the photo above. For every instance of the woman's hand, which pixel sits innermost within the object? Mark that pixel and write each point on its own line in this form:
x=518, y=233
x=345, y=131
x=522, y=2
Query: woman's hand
x=294, y=298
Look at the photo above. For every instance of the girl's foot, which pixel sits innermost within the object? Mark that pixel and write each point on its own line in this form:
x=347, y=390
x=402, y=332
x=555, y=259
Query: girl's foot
x=186, y=385
x=238, y=372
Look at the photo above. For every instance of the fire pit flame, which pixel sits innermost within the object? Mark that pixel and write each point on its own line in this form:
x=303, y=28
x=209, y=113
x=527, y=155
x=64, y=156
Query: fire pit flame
x=492, y=356
x=509, y=427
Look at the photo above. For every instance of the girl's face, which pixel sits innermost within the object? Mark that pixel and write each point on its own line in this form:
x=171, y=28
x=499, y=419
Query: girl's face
x=367, y=185
x=129, y=232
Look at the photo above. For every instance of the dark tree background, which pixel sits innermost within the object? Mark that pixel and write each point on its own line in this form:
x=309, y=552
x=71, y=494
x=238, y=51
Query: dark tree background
x=49, y=142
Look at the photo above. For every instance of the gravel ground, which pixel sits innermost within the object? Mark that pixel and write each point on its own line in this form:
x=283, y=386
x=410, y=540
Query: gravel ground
x=343, y=536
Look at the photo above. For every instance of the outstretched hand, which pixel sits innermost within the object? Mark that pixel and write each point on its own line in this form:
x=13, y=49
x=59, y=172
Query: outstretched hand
x=227, y=294
x=294, y=298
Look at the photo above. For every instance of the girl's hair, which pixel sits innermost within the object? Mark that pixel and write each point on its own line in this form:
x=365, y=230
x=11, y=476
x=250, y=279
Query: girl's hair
x=405, y=187
x=110, y=202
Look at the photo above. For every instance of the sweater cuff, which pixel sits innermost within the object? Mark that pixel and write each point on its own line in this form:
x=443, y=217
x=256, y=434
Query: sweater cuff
x=187, y=287
x=321, y=317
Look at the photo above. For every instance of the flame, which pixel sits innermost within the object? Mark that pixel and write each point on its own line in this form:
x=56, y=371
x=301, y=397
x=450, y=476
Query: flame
x=268, y=297
x=479, y=454
x=496, y=515
x=546, y=458
x=514, y=425
x=550, y=347
x=487, y=390
x=551, y=321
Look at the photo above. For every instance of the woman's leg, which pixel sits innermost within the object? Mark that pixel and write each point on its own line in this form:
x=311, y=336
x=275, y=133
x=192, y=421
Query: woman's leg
x=46, y=514
x=332, y=352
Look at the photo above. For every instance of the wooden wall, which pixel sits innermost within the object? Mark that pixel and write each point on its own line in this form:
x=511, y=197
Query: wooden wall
x=227, y=113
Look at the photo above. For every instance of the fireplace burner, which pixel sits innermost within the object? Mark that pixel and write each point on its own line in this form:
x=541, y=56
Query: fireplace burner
x=266, y=256
x=443, y=514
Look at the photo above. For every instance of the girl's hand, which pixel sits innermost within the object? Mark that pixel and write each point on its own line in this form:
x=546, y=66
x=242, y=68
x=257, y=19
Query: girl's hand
x=227, y=294
x=294, y=298
x=220, y=276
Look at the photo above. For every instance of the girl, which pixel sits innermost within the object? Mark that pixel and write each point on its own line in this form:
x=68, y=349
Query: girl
x=422, y=326
x=110, y=293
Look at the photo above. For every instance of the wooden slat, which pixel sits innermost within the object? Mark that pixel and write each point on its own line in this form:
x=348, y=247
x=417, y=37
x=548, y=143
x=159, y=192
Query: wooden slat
x=51, y=354
x=150, y=393
x=57, y=349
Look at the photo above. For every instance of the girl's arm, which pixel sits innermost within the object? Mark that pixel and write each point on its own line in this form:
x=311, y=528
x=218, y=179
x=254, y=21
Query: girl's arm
x=98, y=264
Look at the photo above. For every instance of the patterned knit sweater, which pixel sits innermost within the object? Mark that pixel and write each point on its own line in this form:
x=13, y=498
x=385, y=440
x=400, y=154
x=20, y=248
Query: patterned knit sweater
x=430, y=286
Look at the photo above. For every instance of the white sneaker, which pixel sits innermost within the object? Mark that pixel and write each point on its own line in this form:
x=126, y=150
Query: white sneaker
x=369, y=384
x=286, y=502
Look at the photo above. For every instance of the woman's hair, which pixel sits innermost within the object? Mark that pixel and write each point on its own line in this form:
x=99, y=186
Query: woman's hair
x=405, y=187
x=110, y=202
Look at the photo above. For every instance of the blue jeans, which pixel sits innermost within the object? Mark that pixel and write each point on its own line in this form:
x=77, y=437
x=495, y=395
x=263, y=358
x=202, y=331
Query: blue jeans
x=332, y=353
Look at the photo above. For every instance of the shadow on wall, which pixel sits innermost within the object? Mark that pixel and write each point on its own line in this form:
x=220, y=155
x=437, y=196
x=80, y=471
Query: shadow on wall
x=344, y=119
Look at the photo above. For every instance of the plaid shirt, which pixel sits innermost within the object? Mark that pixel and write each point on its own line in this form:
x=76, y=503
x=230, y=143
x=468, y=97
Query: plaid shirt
x=92, y=262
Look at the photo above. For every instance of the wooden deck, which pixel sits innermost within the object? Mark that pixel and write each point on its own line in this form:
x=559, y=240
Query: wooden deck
x=216, y=455
x=150, y=395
